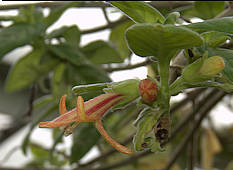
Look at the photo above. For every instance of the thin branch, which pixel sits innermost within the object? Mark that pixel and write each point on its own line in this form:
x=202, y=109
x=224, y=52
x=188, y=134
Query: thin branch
x=31, y=100
x=108, y=26
x=106, y=15
x=132, y=66
x=93, y=4
x=128, y=67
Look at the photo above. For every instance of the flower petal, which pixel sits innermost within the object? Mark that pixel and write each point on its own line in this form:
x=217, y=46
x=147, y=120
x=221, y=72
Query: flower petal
x=116, y=145
x=63, y=120
x=62, y=105
x=80, y=110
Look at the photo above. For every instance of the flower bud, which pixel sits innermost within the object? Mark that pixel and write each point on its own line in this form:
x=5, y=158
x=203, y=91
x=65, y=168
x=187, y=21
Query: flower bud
x=202, y=70
x=148, y=90
x=212, y=66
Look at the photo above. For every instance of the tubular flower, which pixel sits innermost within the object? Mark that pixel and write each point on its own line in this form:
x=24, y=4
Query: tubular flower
x=89, y=111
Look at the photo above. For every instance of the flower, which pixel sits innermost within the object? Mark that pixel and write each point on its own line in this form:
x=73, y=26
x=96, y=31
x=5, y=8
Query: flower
x=148, y=90
x=90, y=111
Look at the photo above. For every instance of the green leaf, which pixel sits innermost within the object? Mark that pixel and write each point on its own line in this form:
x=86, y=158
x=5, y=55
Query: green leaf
x=28, y=70
x=18, y=35
x=139, y=12
x=57, y=33
x=117, y=37
x=86, y=74
x=214, y=38
x=56, y=13
x=44, y=100
x=159, y=40
x=38, y=151
x=209, y=9
x=71, y=34
x=172, y=18
x=30, y=15
x=57, y=81
x=86, y=137
x=145, y=124
x=218, y=24
x=227, y=55
x=101, y=52
x=69, y=53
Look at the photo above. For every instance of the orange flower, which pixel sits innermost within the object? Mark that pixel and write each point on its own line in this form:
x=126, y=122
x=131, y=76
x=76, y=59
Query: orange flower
x=90, y=111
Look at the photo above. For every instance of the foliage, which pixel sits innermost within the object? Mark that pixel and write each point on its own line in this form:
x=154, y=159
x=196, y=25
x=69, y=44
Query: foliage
x=58, y=64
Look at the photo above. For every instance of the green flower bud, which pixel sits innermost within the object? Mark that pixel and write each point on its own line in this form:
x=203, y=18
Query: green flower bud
x=202, y=70
x=212, y=66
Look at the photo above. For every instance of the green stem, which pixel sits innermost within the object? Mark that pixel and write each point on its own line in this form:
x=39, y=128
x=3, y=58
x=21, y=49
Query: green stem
x=164, y=80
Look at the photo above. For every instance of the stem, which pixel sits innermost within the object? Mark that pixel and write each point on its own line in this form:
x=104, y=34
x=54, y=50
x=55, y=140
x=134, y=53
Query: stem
x=164, y=81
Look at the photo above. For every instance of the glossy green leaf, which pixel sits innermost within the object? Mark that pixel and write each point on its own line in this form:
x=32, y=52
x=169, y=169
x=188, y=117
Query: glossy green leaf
x=57, y=33
x=18, y=35
x=56, y=12
x=28, y=70
x=71, y=34
x=139, y=12
x=160, y=40
x=68, y=53
x=214, y=38
x=86, y=74
x=83, y=140
x=101, y=52
x=218, y=24
x=117, y=37
x=209, y=9
x=145, y=124
x=227, y=55
x=57, y=81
